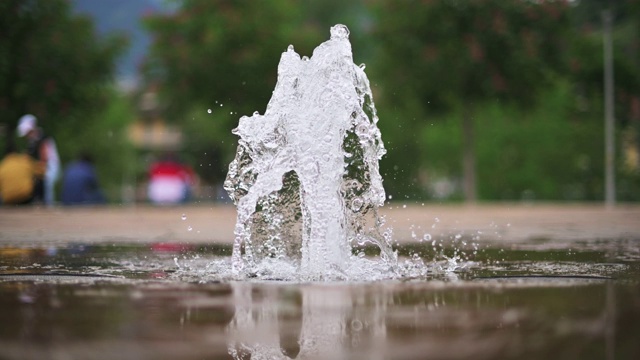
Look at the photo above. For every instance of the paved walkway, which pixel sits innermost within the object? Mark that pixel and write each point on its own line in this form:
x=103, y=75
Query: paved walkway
x=209, y=223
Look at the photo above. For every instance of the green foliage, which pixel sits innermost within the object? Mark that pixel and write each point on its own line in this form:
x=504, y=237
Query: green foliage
x=587, y=60
x=219, y=52
x=439, y=56
x=52, y=64
x=551, y=152
x=210, y=145
x=587, y=77
x=468, y=51
x=227, y=52
x=105, y=138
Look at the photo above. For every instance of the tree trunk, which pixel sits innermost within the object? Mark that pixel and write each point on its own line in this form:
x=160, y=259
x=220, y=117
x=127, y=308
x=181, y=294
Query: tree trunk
x=468, y=154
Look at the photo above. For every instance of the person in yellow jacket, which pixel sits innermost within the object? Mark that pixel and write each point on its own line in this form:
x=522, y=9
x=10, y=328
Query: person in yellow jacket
x=18, y=173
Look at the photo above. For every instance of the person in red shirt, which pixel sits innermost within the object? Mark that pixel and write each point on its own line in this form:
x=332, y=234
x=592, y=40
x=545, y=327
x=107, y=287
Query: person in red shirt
x=170, y=181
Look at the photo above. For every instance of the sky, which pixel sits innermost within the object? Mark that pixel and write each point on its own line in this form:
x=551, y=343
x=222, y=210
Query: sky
x=123, y=16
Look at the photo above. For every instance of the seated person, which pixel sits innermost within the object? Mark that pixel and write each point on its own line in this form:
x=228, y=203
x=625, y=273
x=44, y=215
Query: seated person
x=18, y=174
x=80, y=183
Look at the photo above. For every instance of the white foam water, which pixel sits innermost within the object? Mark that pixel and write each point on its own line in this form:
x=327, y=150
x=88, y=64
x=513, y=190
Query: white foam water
x=305, y=178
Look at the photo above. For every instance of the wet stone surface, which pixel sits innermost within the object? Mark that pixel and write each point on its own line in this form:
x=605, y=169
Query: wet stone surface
x=168, y=301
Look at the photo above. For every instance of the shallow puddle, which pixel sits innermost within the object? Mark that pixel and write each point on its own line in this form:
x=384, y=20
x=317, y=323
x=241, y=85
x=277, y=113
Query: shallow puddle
x=167, y=301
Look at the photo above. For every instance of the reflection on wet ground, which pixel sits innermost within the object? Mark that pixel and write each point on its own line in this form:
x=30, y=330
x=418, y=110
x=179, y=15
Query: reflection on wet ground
x=526, y=301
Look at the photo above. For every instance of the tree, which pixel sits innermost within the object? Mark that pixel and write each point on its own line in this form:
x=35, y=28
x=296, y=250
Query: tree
x=52, y=64
x=441, y=54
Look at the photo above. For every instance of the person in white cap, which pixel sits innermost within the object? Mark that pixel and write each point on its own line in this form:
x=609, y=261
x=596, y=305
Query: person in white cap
x=42, y=148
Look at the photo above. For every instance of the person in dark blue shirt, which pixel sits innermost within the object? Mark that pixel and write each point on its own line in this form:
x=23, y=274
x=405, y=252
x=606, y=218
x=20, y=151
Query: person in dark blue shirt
x=80, y=183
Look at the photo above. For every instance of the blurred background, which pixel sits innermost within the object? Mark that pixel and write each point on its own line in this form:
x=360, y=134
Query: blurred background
x=479, y=100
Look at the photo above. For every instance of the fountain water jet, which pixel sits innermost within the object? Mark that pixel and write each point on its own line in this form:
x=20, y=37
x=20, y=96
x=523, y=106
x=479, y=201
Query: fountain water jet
x=305, y=178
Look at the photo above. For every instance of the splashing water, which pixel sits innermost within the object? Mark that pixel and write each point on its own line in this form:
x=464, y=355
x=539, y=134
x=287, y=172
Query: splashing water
x=305, y=177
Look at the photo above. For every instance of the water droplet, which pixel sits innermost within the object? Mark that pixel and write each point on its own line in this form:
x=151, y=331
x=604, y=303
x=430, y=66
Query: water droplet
x=184, y=216
x=255, y=113
x=339, y=32
x=189, y=228
x=209, y=111
x=356, y=204
x=404, y=206
x=305, y=58
x=362, y=130
x=363, y=66
x=290, y=48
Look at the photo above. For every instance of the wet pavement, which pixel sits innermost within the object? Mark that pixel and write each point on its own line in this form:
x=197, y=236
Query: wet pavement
x=212, y=223
x=508, y=282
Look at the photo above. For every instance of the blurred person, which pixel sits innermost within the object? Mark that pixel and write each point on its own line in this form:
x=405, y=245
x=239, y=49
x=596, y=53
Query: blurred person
x=169, y=181
x=42, y=148
x=80, y=183
x=18, y=175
